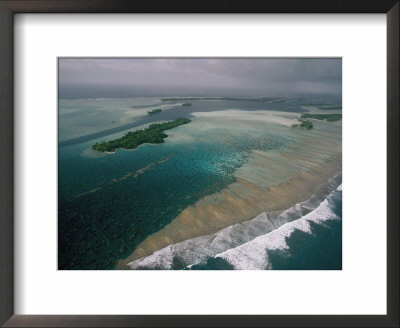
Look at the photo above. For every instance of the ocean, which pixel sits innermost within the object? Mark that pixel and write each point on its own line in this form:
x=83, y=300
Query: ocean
x=109, y=204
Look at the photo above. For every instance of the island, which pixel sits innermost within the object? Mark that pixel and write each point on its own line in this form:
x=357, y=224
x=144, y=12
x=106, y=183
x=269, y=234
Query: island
x=304, y=124
x=153, y=134
x=322, y=117
x=324, y=106
x=154, y=111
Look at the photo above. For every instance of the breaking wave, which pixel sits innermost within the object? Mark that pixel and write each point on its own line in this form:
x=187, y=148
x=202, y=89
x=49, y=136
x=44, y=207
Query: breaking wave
x=245, y=246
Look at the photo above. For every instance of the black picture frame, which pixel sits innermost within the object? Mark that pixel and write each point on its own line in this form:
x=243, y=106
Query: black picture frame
x=10, y=7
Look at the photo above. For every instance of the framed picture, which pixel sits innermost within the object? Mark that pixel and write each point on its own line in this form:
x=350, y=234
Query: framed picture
x=186, y=168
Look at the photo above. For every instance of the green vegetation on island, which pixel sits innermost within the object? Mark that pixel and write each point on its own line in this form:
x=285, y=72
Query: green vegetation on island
x=304, y=124
x=187, y=104
x=327, y=117
x=153, y=134
x=154, y=111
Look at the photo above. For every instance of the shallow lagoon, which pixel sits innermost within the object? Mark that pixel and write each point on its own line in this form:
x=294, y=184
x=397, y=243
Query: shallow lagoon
x=110, y=203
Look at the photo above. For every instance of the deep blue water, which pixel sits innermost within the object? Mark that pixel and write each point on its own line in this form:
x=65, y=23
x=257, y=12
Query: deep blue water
x=320, y=250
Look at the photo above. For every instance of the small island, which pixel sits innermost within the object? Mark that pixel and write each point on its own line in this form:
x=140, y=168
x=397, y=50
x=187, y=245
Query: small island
x=324, y=106
x=187, y=104
x=153, y=134
x=154, y=111
x=322, y=117
x=304, y=124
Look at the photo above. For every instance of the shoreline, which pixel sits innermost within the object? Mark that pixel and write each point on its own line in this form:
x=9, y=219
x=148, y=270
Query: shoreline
x=197, y=251
x=297, y=173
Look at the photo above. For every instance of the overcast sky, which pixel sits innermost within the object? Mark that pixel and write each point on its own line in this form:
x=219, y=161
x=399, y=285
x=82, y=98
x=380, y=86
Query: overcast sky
x=91, y=78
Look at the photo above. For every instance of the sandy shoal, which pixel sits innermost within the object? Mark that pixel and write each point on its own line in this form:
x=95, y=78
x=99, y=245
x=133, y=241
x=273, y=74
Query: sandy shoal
x=270, y=181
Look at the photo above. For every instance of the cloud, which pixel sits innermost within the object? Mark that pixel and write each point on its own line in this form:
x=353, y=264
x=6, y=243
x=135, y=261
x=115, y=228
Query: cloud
x=199, y=76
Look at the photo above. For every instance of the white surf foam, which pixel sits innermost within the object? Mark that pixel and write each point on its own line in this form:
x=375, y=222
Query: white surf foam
x=197, y=250
x=244, y=245
x=253, y=254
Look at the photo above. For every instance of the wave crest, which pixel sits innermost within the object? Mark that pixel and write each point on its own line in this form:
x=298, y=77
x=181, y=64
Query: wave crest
x=245, y=245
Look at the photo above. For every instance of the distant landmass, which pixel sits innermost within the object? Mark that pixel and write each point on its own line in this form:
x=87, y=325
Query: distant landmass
x=326, y=117
x=324, y=106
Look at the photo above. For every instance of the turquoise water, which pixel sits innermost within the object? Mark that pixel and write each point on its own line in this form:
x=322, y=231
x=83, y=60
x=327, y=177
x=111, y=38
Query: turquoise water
x=109, y=204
